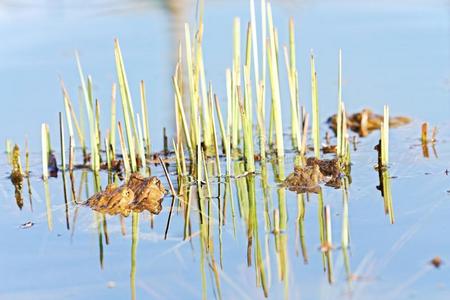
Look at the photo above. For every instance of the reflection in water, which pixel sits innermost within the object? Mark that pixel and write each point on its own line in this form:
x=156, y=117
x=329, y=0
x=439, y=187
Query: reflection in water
x=134, y=244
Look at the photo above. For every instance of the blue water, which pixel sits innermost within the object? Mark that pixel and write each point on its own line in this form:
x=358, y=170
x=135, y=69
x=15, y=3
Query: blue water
x=396, y=54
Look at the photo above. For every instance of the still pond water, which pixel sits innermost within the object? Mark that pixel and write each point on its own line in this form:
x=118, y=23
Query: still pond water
x=394, y=53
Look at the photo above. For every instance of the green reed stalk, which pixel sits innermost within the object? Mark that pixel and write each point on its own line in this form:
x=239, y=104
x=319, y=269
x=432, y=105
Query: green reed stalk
x=127, y=105
x=225, y=135
x=44, y=143
x=71, y=118
x=141, y=143
x=214, y=132
x=27, y=159
x=274, y=83
x=345, y=223
x=48, y=205
x=144, y=112
x=97, y=125
x=126, y=162
x=178, y=161
x=87, y=95
x=329, y=242
x=193, y=87
x=63, y=147
x=108, y=153
x=246, y=112
x=261, y=121
x=385, y=138
x=293, y=86
x=315, y=109
x=339, y=146
x=388, y=207
x=234, y=83
x=134, y=245
x=111, y=147
x=183, y=118
x=206, y=119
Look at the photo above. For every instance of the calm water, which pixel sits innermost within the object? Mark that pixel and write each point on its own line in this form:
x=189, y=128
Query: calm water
x=397, y=54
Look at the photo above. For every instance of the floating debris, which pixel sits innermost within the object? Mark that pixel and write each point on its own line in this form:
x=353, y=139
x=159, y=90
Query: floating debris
x=366, y=121
x=436, y=262
x=52, y=165
x=27, y=225
x=306, y=179
x=137, y=195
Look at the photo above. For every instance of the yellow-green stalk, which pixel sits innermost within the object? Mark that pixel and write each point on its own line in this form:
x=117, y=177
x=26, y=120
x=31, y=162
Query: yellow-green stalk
x=385, y=138
x=144, y=112
x=234, y=84
x=274, y=83
x=127, y=106
x=183, y=118
x=193, y=88
x=315, y=109
x=44, y=152
x=339, y=146
x=111, y=147
x=126, y=162
x=87, y=95
x=225, y=136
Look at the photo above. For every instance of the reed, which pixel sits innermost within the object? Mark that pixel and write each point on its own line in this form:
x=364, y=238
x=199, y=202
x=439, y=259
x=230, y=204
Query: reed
x=225, y=136
x=62, y=142
x=339, y=146
x=424, y=133
x=387, y=196
x=27, y=159
x=141, y=143
x=187, y=132
x=72, y=119
x=233, y=82
x=127, y=106
x=290, y=60
x=246, y=112
x=144, y=112
x=328, y=242
x=345, y=235
x=8, y=150
x=274, y=83
x=87, y=95
x=126, y=162
x=44, y=143
x=385, y=138
x=193, y=87
x=111, y=146
x=214, y=132
x=315, y=109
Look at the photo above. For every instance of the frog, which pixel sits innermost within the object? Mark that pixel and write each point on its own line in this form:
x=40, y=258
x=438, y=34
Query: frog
x=304, y=179
x=149, y=193
x=307, y=178
x=113, y=200
x=137, y=194
x=366, y=121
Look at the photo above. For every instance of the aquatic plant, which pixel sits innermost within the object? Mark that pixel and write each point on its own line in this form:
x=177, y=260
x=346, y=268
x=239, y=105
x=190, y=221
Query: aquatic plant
x=385, y=138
